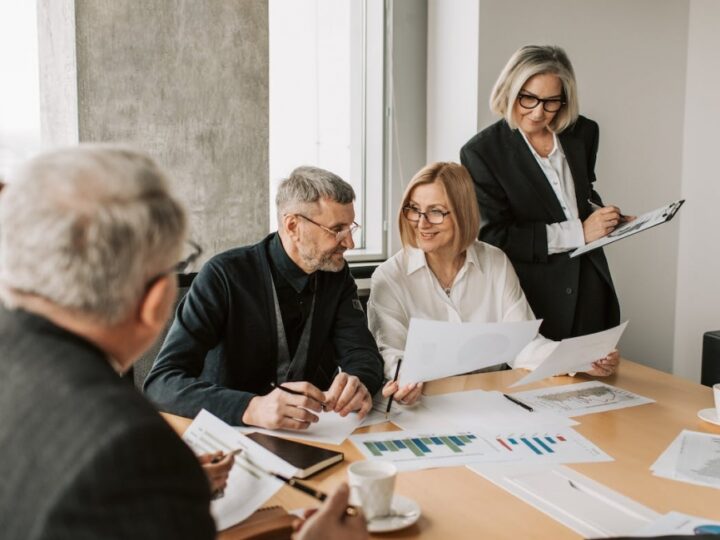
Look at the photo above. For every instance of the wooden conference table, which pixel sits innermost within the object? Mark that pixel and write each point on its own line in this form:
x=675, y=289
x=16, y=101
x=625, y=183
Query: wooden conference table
x=457, y=503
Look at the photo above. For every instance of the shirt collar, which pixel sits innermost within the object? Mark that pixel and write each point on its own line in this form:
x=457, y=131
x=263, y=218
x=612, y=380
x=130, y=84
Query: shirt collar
x=557, y=148
x=416, y=259
x=286, y=267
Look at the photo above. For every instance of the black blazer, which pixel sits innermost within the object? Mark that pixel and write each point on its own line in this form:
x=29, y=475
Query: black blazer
x=84, y=455
x=516, y=202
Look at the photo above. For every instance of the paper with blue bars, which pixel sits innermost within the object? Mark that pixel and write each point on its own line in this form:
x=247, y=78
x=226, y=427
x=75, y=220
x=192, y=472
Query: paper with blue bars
x=414, y=450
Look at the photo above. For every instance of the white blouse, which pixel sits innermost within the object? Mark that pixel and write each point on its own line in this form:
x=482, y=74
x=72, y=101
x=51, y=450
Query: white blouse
x=486, y=289
x=568, y=234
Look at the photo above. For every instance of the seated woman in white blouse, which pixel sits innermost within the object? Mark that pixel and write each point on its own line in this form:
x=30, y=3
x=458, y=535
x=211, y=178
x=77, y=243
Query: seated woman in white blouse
x=444, y=273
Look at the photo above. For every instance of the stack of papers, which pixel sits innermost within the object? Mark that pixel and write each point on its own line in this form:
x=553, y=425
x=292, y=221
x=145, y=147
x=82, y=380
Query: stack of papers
x=582, y=398
x=693, y=457
x=675, y=523
x=330, y=429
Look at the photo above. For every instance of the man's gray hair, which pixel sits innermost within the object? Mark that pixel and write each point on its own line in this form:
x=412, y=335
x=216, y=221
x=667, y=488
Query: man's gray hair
x=87, y=228
x=307, y=185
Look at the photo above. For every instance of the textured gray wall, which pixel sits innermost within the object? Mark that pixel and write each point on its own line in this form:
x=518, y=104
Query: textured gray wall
x=187, y=81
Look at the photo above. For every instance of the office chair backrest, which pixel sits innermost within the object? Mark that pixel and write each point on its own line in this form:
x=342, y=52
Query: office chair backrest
x=711, y=358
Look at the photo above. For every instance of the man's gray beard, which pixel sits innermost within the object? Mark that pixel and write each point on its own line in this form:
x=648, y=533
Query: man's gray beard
x=324, y=262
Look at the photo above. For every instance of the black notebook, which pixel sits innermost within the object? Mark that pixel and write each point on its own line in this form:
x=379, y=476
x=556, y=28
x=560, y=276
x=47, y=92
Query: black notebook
x=308, y=459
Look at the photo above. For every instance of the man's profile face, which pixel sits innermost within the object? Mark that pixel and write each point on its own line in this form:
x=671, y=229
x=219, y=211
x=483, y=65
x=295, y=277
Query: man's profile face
x=318, y=247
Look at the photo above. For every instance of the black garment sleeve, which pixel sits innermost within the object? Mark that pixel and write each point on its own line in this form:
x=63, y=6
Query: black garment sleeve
x=522, y=241
x=355, y=349
x=174, y=383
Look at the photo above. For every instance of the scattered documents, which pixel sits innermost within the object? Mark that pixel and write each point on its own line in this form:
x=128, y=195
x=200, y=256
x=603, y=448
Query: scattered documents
x=330, y=429
x=693, y=457
x=414, y=450
x=245, y=492
x=578, y=502
x=474, y=410
x=676, y=523
x=581, y=398
x=639, y=224
x=575, y=354
x=436, y=349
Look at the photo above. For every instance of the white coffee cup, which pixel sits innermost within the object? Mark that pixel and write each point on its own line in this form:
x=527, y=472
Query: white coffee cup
x=716, y=393
x=372, y=484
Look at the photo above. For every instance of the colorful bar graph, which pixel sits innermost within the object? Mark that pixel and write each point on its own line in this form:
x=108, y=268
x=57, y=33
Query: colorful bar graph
x=542, y=445
x=530, y=445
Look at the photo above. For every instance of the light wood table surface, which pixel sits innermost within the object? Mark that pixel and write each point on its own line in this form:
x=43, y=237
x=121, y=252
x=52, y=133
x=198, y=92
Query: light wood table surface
x=457, y=503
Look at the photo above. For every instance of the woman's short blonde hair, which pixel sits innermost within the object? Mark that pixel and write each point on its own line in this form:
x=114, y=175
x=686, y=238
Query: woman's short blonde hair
x=457, y=183
x=527, y=62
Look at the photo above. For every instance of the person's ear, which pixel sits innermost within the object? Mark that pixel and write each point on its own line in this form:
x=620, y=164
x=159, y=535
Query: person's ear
x=157, y=302
x=292, y=226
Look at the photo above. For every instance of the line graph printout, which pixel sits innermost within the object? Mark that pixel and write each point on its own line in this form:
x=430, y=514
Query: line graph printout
x=414, y=450
x=582, y=398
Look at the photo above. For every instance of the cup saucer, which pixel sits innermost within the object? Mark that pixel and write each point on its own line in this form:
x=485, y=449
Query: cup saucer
x=709, y=415
x=404, y=512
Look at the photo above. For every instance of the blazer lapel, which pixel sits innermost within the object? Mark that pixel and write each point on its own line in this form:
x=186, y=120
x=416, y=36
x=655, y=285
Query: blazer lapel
x=538, y=181
x=575, y=155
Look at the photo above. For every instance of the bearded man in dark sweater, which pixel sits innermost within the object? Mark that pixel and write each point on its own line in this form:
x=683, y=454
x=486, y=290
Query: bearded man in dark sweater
x=284, y=312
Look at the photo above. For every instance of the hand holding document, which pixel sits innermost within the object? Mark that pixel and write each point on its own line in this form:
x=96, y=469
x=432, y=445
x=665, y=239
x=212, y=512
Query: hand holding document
x=245, y=492
x=436, y=349
x=575, y=354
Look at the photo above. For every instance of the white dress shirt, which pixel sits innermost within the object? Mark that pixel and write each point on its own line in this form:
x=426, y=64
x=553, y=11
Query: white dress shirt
x=486, y=289
x=565, y=235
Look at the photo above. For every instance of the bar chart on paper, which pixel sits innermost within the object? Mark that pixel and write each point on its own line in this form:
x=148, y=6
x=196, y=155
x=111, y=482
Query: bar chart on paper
x=416, y=450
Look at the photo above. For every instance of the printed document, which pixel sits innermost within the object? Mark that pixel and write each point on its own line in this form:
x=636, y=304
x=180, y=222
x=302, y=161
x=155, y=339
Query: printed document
x=693, y=457
x=575, y=354
x=330, y=429
x=245, y=492
x=437, y=349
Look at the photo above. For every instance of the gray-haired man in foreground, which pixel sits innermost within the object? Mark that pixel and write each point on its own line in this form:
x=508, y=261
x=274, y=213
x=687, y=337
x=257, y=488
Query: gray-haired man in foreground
x=89, y=238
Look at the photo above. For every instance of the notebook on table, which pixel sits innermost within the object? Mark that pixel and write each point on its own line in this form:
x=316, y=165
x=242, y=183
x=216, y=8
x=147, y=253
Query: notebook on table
x=308, y=459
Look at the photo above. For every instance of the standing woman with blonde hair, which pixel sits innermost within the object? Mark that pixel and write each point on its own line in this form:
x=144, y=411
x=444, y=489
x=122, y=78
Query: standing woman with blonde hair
x=533, y=172
x=444, y=273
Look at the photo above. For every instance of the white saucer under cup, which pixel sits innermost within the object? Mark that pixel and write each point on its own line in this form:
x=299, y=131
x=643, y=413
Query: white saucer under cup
x=712, y=415
x=403, y=513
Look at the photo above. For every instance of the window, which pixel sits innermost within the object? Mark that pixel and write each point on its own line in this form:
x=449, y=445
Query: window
x=19, y=91
x=326, y=102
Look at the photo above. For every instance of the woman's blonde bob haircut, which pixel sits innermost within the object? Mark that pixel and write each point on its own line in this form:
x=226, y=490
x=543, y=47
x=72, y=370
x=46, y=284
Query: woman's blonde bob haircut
x=527, y=62
x=455, y=180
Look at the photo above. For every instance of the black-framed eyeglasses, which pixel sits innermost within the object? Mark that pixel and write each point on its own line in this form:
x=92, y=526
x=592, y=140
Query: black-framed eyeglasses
x=340, y=235
x=180, y=267
x=527, y=101
x=434, y=216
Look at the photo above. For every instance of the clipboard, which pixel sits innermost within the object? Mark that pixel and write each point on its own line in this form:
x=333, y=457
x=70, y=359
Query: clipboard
x=641, y=223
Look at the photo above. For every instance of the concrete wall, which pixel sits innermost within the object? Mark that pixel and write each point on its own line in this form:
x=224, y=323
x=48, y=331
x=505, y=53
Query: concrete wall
x=698, y=290
x=187, y=81
x=630, y=62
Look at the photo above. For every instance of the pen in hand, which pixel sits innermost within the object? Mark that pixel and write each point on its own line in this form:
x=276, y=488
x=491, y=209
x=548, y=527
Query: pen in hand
x=390, y=399
x=518, y=402
x=297, y=393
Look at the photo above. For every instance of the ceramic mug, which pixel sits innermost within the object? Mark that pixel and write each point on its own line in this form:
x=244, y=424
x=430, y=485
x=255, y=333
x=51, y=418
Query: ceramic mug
x=372, y=484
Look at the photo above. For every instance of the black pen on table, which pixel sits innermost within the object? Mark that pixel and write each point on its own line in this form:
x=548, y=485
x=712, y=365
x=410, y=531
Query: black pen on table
x=218, y=459
x=518, y=402
x=296, y=393
x=390, y=399
x=317, y=494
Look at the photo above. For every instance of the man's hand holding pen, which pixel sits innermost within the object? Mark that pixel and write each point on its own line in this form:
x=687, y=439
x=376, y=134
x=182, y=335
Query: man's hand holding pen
x=289, y=406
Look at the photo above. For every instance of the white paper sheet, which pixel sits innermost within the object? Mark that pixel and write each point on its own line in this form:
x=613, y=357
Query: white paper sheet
x=330, y=429
x=575, y=354
x=429, y=449
x=436, y=349
x=474, y=410
x=676, y=523
x=693, y=457
x=581, y=398
x=244, y=493
x=578, y=502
